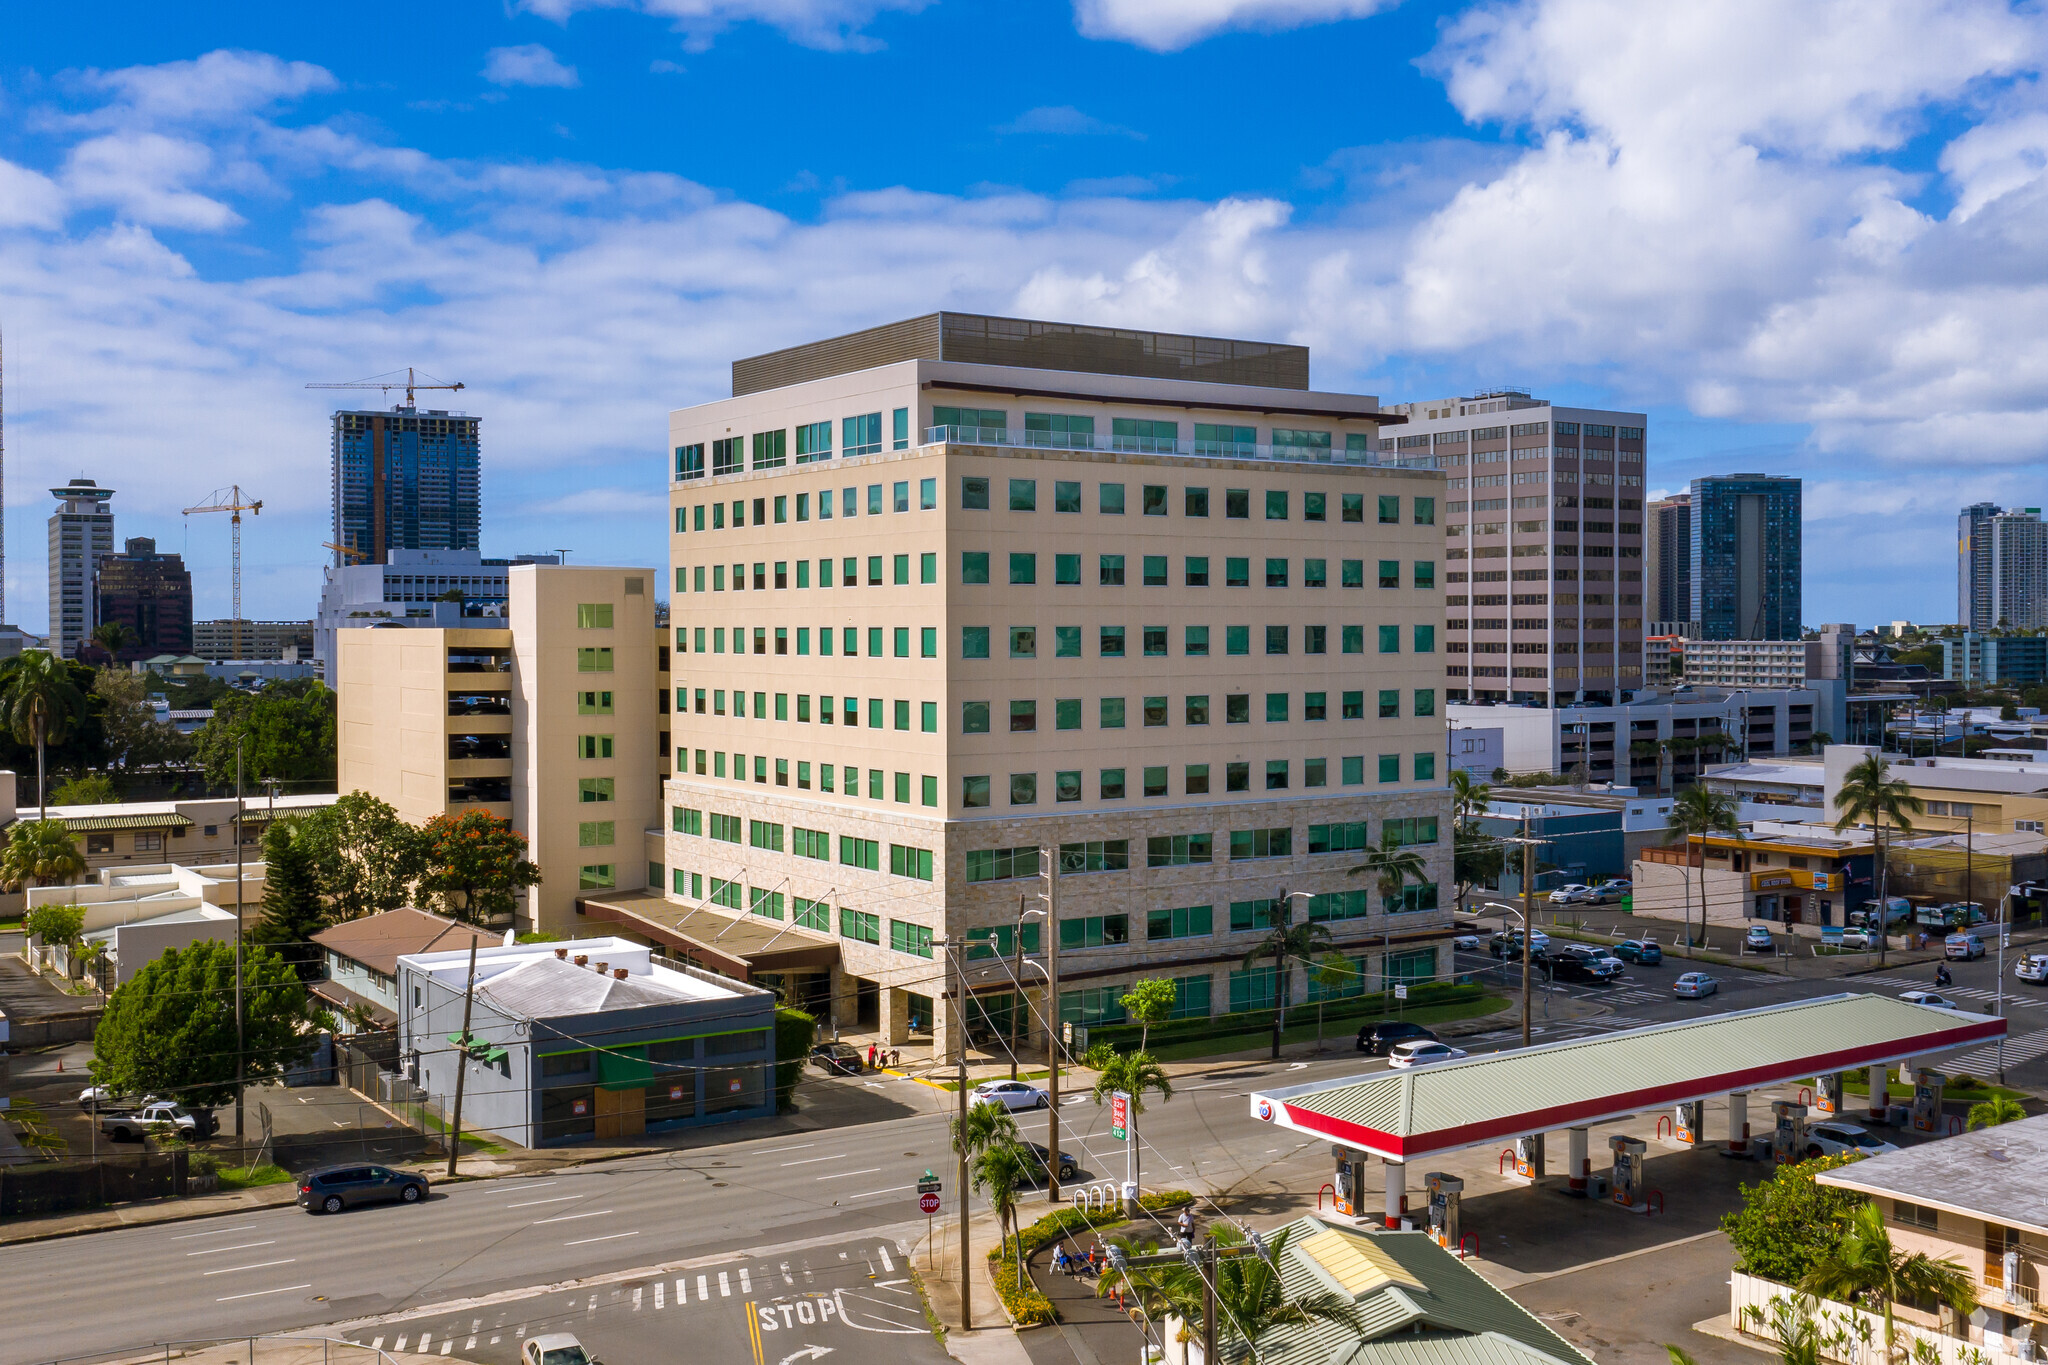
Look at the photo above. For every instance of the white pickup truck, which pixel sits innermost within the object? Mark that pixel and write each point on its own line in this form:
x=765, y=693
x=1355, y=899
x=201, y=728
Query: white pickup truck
x=131, y=1125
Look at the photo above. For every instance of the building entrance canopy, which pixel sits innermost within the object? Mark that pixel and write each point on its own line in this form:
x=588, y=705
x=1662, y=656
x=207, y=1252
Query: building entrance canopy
x=1425, y=1111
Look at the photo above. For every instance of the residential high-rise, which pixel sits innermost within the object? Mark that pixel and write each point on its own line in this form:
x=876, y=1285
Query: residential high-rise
x=1667, y=550
x=1555, y=495
x=960, y=589
x=406, y=479
x=2019, y=570
x=1746, y=557
x=1973, y=566
x=81, y=530
x=149, y=593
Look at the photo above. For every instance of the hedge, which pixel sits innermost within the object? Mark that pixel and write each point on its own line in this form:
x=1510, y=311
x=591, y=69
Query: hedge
x=1125, y=1036
x=1025, y=1304
x=795, y=1031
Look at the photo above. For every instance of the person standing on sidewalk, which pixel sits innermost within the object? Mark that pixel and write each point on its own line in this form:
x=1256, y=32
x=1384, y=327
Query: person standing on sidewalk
x=871, y=1056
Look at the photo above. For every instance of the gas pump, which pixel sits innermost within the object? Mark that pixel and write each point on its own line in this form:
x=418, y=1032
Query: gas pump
x=1628, y=1170
x=1350, y=1182
x=1788, y=1131
x=1529, y=1157
x=1827, y=1095
x=1444, y=1193
x=1927, y=1087
x=1689, y=1122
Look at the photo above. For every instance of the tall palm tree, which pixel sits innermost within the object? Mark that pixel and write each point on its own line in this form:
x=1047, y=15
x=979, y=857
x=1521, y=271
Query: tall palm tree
x=41, y=704
x=986, y=1125
x=40, y=853
x=1250, y=1300
x=1136, y=1074
x=1695, y=813
x=1471, y=850
x=1469, y=798
x=113, y=637
x=1865, y=1264
x=1391, y=866
x=999, y=1173
x=1870, y=792
x=1285, y=942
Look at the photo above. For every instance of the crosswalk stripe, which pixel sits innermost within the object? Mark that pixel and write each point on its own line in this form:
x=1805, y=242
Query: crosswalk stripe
x=1984, y=1061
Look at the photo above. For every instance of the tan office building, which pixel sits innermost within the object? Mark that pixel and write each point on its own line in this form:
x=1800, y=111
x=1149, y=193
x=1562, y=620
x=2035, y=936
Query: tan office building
x=957, y=588
x=554, y=721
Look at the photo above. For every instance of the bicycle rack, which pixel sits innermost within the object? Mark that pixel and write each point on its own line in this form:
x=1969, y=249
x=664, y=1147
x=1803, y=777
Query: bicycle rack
x=1806, y=1095
x=1462, y=1253
x=1319, y=1196
x=1664, y=1122
x=1653, y=1202
x=1507, y=1154
x=1955, y=1125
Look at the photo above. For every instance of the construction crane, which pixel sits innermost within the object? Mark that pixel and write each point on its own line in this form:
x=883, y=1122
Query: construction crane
x=388, y=382
x=349, y=553
x=234, y=501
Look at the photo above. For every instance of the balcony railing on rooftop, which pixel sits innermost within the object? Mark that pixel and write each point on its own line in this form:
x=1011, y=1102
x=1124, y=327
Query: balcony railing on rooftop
x=1160, y=445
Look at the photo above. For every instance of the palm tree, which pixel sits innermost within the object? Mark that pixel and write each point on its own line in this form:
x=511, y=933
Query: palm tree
x=113, y=637
x=41, y=704
x=1468, y=798
x=1695, y=813
x=986, y=1125
x=1870, y=792
x=1250, y=1300
x=1994, y=1111
x=1134, y=1074
x=998, y=1173
x=1392, y=866
x=1474, y=855
x=1285, y=942
x=1865, y=1264
x=40, y=853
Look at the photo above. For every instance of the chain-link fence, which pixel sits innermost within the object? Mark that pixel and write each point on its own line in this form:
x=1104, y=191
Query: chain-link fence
x=280, y=1350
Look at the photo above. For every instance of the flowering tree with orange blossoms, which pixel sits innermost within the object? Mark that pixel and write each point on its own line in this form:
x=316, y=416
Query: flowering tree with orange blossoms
x=476, y=864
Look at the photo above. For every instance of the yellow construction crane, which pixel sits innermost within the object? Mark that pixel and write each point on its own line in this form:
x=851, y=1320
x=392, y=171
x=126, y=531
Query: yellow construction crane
x=388, y=382
x=232, y=500
x=349, y=553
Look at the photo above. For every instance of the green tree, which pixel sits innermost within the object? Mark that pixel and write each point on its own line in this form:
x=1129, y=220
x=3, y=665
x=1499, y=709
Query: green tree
x=1864, y=1264
x=795, y=1031
x=171, y=1029
x=1250, y=1300
x=999, y=1173
x=1477, y=859
x=1333, y=972
x=1286, y=942
x=1869, y=792
x=291, y=899
x=54, y=925
x=1137, y=1075
x=366, y=858
x=1696, y=813
x=135, y=738
x=1391, y=866
x=40, y=853
x=43, y=702
x=87, y=789
x=985, y=1125
x=476, y=863
x=1789, y=1222
x=113, y=637
x=1150, y=1002
x=286, y=732
x=1994, y=1111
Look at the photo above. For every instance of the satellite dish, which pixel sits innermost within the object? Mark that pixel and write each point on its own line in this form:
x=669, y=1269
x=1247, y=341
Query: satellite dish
x=511, y=937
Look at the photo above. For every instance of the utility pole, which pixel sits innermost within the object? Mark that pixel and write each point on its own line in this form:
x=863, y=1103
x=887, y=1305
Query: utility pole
x=241, y=1059
x=1017, y=979
x=1049, y=862
x=966, y=1266
x=1528, y=916
x=462, y=1059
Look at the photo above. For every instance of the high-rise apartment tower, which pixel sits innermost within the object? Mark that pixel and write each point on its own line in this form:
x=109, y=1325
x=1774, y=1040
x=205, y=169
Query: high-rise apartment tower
x=81, y=530
x=1973, y=566
x=1746, y=561
x=404, y=479
x=1667, y=548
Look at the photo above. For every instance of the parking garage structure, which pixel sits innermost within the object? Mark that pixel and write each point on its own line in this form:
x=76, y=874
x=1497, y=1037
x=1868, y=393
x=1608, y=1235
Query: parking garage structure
x=1423, y=1112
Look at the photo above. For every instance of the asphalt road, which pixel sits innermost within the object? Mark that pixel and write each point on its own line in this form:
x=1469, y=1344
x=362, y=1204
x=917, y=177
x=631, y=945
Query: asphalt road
x=731, y=1207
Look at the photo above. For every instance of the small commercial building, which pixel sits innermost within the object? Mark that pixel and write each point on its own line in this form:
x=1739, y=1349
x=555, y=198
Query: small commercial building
x=360, y=958
x=139, y=912
x=589, y=1041
x=1785, y=873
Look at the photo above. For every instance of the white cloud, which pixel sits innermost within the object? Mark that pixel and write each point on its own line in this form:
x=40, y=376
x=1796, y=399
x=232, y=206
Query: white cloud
x=220, y=85
x=828, y=24
x=528, y=64
x=1064, y=120
x=1169, y=25
x=144, y=177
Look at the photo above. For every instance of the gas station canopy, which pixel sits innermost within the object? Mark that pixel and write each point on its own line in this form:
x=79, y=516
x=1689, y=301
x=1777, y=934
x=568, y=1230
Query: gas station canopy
x=1447, y=1106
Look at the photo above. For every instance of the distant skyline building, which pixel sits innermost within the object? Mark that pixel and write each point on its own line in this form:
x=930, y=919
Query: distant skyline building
x=1746, y=557
x=2019, y=570
x=214, y=641
x=404, y=479
x=149, y=593
x=434, y=588
x=1973, y=565
x=81, y=530
x=1667, y=557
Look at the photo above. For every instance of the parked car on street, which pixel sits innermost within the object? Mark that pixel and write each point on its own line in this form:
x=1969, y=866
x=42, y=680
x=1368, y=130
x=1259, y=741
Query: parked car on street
x=2033, y=967
x=841, y=1058
x=132, y=1125
x=1642, y=950
x=334, y=1188
x=1962, y=947
x=1012, y=1095
x=1858, y=938
x=1573, y=893
x=556, y=1348
x=1832, y=1138
x=1035, y=1161
x=1611, y=893
x=1757, y=939
x=1423, y=1053
x=1465, y=943
x=1694, y=986
x=1508, y=944
x=1377, y=1040
x=1933, y=998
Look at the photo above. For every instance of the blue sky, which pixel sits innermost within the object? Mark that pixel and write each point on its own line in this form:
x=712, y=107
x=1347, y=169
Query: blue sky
x=1805, y=239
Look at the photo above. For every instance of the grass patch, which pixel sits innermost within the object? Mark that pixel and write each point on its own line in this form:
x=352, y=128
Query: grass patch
x=253, y=1177
x=471, y=1143
x=1969, y=1094
x=1038, y=1075
x=1337, y=1030
x=10, y=926
x=924, y=1301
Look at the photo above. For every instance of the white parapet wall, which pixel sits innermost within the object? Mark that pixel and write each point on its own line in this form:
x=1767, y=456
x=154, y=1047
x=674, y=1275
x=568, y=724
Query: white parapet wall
x=1853, y=1336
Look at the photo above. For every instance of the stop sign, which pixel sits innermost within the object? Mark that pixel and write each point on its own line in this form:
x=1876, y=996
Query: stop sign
x=928, y=1203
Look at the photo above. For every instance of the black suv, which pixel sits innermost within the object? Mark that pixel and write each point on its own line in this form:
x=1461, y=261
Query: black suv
x=1583, y=964
x=1377, y=1040
x=333, y=1188
x=842, y=1059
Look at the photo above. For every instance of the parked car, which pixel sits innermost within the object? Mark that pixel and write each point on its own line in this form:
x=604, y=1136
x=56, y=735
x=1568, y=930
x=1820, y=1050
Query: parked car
x=1509, y=944
x=1012, y=1095
x=840, y=1058
x=132, y=1125
x=1757, y=939
x=1035, y=1159
x=1610, y=893
x=1833, y=1139
x=1377, y=1040
x=1900, y=912
x=556, y=1348
x=1642, y=950
x=334, y=1188
x=1694, y=986
x=1421, y=1053
x=94, y=1098
x=1962, y=947
x=1465, y=943
x=1933, y=998
x=1573, y=893
x=2033, y=967
x=1858, y=938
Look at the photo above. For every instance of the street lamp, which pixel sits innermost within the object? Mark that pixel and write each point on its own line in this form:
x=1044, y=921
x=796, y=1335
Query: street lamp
x=1528, y=937
x=1281, y=983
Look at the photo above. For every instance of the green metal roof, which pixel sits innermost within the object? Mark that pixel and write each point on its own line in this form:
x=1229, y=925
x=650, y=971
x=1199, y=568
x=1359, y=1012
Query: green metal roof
x=1450, y=1105
x=140, y=820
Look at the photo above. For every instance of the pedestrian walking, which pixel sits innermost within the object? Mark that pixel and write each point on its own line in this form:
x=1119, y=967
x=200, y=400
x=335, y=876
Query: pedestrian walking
x=871, y=1056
